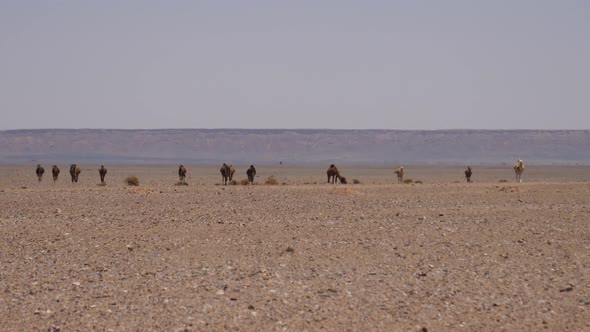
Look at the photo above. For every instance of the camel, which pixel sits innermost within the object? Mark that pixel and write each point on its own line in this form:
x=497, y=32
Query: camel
x=518, y=170
x=74, y=172
x=102, y=171
x=224, y=170
x=400, y=174
x=334, y=175
x=39, y=171
x=251, y=173
x=181, y=173
x=55, y=172
x=468, y=173
x=232, y=170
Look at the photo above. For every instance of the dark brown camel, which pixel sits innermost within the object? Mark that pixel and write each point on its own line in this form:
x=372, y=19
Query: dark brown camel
x=334, y=175
x=39, y=171
x=468, y=173
x=103, y=172
x=400, y=174
x=181, y=173
x=251, y=173
x=74, y=172
x=55, y=172
x=224, y=173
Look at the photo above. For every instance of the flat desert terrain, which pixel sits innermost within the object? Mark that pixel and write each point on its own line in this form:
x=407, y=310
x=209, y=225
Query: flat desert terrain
x=303, y=255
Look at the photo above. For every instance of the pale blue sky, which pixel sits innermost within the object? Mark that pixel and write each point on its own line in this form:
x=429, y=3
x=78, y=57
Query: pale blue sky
x=501, y=64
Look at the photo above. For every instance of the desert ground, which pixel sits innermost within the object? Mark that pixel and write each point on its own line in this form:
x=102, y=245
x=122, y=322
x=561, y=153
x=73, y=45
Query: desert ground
x=302, y=255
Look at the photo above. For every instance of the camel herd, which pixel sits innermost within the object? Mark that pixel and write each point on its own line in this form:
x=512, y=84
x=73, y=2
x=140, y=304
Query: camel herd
x=227, y=173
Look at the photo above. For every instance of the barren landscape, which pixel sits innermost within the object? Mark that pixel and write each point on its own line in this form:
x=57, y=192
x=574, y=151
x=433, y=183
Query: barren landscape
x=303, y=255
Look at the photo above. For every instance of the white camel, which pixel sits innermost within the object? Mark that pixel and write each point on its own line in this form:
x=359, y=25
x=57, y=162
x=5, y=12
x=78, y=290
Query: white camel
x=518, y=170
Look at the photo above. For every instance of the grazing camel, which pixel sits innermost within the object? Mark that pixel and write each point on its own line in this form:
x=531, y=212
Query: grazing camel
x=251, y=173
x=55, y=172
x=39, y=171
x=334, y=175
x=232, y=170
x=103, y=172
x=518, y=170
x=400, y=174
x=74, y=172
x=224, y=170
x=182, y=173
x=468, y=173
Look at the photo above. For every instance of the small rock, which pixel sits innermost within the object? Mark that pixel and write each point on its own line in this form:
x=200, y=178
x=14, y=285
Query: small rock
x=567, y=289
x=220, y=292
x=129, y=247
x=422, y=218
x=251, y=307
x=53, y=328
x=57, y=211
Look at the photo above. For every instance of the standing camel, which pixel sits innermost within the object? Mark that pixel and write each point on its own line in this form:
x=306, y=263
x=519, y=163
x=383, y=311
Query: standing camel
x=74, y=172
x=251, y=173
x=102, y=171
x=334, y=175
x=224, y=170
x=39, y=171
x=468, y=173
x=400, y=174
x=182, y=174
x=518, y=170
x=55, y=172
x=232, y=170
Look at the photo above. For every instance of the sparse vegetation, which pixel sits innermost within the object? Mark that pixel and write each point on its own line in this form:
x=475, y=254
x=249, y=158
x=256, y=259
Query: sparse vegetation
x=244, y=182
x=271, y=181
x=284, y=184
x=232, y=182
x=132, y=180
x=181, y=183
x=502, y=180
x=418, y=181
x=408, y=181
x=356, y=181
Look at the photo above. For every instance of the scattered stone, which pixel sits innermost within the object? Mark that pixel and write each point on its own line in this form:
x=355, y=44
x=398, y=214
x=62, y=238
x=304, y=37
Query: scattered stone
x=57, y=211
x=130, y=247
x=220, y=292
x=422, y=218
x=251, y=307
x=567, y=289
x=290, y=249
x=53, y=328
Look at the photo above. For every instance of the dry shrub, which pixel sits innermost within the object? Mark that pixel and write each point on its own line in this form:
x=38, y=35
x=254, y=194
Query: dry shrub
x=132, y=180
x=408, y=181
x=284, y=184
x=244, y=182
x=356, y=181
x=502, y=180
x=271, y=181
x=418, y=181
x=232, y=182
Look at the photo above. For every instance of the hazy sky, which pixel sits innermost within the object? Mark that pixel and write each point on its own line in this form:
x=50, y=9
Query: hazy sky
x=501, y=64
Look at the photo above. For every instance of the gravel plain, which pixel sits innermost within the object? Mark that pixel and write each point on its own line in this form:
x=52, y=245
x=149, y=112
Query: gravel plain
x=303, y=255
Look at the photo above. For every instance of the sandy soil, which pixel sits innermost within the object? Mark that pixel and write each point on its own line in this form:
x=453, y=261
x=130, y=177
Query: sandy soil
x=305, y=255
